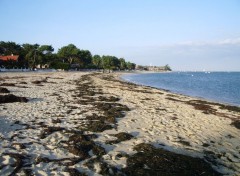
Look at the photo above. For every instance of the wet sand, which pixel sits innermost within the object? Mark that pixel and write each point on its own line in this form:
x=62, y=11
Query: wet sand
x=95, y=124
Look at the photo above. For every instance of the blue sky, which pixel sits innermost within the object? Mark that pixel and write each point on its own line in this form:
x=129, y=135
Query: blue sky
x=186, y=34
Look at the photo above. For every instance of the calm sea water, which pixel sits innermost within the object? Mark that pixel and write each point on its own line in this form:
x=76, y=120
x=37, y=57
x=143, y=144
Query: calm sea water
x=221, y=87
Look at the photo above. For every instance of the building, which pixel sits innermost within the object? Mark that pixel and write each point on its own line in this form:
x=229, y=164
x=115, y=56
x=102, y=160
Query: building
x=153, y=68
x=9, y=58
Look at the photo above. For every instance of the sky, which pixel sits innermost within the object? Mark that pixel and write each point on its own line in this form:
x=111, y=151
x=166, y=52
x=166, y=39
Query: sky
x=188, y=35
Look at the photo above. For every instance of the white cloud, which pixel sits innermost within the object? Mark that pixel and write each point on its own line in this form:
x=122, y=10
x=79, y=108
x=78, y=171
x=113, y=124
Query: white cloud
x=229, y=41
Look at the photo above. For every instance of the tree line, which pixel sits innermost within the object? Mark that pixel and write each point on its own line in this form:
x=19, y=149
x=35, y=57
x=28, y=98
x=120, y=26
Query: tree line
x=67, y=57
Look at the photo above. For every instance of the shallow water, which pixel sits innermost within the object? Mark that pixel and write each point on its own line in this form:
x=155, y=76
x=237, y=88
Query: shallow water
x=222, y=87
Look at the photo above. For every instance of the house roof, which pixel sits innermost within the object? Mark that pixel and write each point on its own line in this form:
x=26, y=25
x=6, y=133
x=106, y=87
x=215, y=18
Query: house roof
x=12, y=57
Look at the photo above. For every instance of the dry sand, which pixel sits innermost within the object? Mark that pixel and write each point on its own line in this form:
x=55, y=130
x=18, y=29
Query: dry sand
x=44, y=136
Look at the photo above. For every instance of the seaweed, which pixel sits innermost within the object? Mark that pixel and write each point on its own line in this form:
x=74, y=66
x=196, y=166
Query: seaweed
x=156, y=161
x=120, y=137
x=10, y=98
x=4, y=90
x=236, y=124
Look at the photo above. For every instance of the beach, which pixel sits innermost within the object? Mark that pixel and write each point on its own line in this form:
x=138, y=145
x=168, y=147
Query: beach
x=85, y=123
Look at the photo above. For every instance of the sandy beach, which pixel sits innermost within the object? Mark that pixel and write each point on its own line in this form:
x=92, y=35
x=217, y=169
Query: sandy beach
x=80, y=123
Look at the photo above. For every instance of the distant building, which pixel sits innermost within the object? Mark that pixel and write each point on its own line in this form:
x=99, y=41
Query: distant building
x=152, y=68
x=45, y=66
x=155, y=68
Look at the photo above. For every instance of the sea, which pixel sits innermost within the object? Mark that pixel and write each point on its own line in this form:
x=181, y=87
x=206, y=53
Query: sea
x=221, y=87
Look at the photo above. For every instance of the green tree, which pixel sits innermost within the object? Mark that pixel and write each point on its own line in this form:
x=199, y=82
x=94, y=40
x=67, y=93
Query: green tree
x=46, y=48
x=33, y=56
x=110, y=62
x=130, y=66
x=8, y=48
x=68, y=53
x=84, y=58
x=123, y=64
x=97, y=61
x=45, y=51
x=167, y=68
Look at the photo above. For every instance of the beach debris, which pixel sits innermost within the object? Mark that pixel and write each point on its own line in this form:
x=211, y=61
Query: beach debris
x=40, y=81
x=99, y=166
x=105, y=105
x=8, y=84
x=97, y=126
x=120, y=137
x=49, y=130
x=236, y=123
x=156, y=161
x=56, y=120
x=10, y=98
x=74, y=172
x=20, y=161
x=4, y=90
x=81, y=145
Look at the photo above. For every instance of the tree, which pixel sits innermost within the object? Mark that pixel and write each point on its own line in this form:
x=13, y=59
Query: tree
x=167, y=68
x=107, y=62
x=97, y=61
x=32, y=56
x=130, y=66
x=46, y=49
x=8, y=48
x=68, y=53
x=84, y=58
x=46, y=53
x=110, y=62
x=123, y=65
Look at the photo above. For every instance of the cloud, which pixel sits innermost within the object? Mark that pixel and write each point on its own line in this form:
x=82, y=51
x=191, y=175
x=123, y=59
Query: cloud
x=229, y=41
x=215, y=55
x=235, y=41
x=190, y=55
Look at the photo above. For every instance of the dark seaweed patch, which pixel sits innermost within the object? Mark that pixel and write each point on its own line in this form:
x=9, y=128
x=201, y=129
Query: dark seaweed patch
x=236, y=124
x=49, y=130
x=152, y=161
x=74, y=172
x=4, y=90
x=80, y=145
x=10, y=98
x=8, y=84
x=120, y=137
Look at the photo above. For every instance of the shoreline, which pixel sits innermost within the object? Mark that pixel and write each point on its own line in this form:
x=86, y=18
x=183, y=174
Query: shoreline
x=111, y=118
x=179, y=93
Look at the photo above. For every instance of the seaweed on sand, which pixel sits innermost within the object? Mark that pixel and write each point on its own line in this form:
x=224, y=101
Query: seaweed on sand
x=120, y=137
x=236, y=123
x=81, y=145
x=156, y=161
x=10, y=98
x=4, y=90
